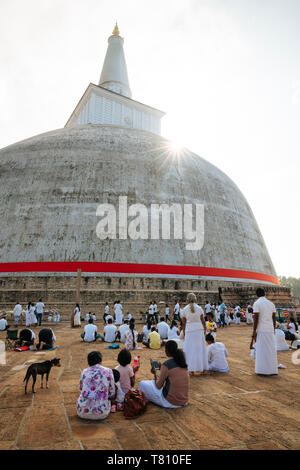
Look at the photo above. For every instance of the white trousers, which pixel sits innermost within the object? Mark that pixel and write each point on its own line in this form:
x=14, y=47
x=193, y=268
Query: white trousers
x=154, y=394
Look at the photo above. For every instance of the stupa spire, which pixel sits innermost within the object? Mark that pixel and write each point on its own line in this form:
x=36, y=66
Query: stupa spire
x=116, y=31
x=114, y=74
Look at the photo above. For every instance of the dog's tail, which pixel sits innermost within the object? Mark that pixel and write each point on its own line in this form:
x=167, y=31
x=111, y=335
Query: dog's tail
x=27, y=375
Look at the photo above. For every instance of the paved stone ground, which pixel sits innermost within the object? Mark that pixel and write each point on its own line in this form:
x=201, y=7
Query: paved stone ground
x=238, y=410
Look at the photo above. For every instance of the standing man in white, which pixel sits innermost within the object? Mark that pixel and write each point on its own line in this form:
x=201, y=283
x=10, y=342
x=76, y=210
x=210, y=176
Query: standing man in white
x=39, y=308
x=264, y=335
x=17, y=313
x=176, y=311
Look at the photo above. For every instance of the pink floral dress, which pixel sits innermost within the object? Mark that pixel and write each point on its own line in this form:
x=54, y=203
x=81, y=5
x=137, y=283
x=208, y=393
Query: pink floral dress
x=97, y=386
x=129, y=340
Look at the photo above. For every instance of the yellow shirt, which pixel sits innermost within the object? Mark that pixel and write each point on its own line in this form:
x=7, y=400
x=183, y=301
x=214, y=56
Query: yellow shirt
x=210, y=325
x=154, y=339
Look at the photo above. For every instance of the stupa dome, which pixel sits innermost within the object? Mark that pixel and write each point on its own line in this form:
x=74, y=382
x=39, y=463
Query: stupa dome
x=51, y=186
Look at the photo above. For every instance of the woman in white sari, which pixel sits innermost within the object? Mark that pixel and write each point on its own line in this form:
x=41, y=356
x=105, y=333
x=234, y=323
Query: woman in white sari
x=194, y=330
x=118, y=313
x=76, y=320
x=30, y=315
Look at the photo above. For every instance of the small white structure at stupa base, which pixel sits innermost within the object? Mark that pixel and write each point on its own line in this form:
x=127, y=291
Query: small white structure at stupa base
x=110, y=101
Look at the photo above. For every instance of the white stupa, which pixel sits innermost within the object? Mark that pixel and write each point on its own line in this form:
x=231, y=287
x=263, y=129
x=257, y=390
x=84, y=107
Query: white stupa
x=111, y=148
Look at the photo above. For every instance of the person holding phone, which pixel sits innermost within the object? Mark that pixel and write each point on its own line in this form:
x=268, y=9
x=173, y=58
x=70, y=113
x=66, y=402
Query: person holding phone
x=171, y=388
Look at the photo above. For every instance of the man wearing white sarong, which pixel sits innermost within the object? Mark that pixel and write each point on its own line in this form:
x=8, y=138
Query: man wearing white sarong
x=118, y=313
x=194, y=330
x=264, y=335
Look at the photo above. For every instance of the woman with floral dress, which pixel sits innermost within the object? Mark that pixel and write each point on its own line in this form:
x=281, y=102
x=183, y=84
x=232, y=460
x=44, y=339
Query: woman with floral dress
x=131, y=337
x=97, y=389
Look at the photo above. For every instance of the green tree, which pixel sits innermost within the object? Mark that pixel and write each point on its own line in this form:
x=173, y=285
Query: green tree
x=292, y=282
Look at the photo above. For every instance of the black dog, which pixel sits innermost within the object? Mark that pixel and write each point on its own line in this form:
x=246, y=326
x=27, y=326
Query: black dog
x=40, y=368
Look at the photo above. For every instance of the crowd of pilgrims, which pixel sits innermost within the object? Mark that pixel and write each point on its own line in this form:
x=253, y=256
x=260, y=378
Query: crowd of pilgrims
x=188, y=335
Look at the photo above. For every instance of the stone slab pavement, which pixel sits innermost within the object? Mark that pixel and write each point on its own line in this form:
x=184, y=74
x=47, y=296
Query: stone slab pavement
x=237, y=410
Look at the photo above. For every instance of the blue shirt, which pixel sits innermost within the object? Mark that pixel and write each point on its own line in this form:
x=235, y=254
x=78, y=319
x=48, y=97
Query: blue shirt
x=222, y=307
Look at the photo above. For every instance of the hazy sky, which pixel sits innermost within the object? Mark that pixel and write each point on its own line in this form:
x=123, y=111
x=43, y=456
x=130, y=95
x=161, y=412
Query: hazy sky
x=227, y=72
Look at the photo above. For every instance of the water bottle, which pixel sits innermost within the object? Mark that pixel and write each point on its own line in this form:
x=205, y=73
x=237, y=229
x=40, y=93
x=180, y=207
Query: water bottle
x=136, y=362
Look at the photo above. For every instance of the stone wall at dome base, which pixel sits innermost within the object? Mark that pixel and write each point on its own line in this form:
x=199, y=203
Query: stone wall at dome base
x=59, y=291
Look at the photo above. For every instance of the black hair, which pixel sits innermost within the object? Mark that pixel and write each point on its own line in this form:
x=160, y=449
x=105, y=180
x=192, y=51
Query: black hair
x=153, y=328
x=173, y=324
x=116, y=375
x=91, y=320
x=131, y=327
x=109, y=320
x=177, y=354
x=124, y=357
x=94, y=357
x=209, y=337
x=125, y=322
x=162, y=319
x=149, y=324
x=260, y=292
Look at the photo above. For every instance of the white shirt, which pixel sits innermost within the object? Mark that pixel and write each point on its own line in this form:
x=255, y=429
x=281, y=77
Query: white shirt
x=265, y=308
x=146, y=332
x=108, y=317
x=292, y=328
x=110, y=333
x=122, y=330
x=163, y=329
x=172, y=333
x=87, y=317
x=155, y=308
x=32, y=333
x=237, y=309
x=18, y=310
x=106, y=310
x=39, y=307
x=217, y=354
x=3, y=324
x=89, y=332
x=176, y=308
x=193, y=320
x=151, y=309
x=208, y=308
x=167, y=311
x=53, y=335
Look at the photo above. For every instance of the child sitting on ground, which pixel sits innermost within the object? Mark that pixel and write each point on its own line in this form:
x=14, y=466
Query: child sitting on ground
x=127, y=373
x=217, y=354
x=211, y=326
x=117, y=403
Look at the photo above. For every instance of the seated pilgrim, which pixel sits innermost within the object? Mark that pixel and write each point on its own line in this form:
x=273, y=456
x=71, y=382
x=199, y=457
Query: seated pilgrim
x=110, y=332
x=90, y=332
x=171, y=388
x=217, y=354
